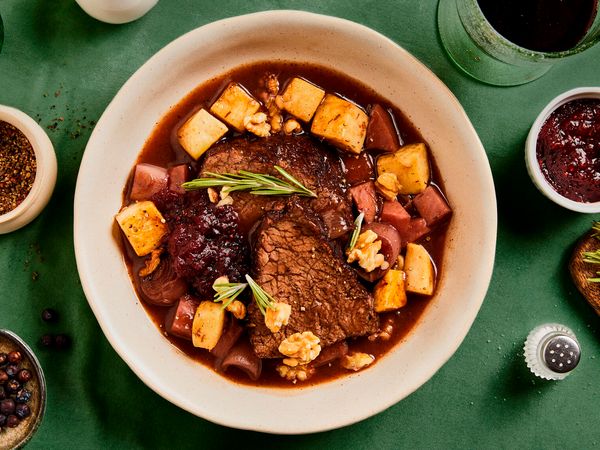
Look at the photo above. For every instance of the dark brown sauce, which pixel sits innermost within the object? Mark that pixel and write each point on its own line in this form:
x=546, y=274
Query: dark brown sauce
x=541, y=25
x=162, y=149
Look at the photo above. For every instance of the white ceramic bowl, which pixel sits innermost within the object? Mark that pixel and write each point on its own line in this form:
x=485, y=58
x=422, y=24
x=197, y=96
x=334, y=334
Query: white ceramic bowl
x=45, y=177
x=391, y=71
x=533, y=167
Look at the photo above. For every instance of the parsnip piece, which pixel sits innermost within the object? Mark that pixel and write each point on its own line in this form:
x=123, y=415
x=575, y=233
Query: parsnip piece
x=208, y=325
x=143, y=225
x=390, y=293
x=234, y=105
x=341, y=122
x=301, y=99
x=419, y=270
x=410, y=164
x=199, y=132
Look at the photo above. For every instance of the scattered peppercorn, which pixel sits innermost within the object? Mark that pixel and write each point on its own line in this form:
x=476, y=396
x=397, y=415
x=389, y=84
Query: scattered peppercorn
x=12, y=421
x=49, y=315
x=7, y=406
x=15, y=357
x=22, y=411
x=24, y=375
x=18, y=167
x=11, y=370
x=12, y=386
x=62, y=341
x=47, y=341
x=3, y=376
x=23, y=396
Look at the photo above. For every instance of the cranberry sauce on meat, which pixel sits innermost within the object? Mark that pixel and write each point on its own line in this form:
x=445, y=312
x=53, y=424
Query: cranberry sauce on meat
x=284, y=225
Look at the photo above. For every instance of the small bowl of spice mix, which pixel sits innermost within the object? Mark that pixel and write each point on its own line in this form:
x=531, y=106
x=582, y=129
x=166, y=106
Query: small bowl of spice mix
x=27, y=169
x=562, y=151
x=22, y=391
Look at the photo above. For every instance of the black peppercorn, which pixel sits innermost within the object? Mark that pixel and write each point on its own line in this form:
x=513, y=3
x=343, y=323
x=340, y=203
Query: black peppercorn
x=12, y=370
x=3, y=359
x=49, y=315
x=47, y=341
x=23, y=396
x=13, y=386
x=24, y=375
x=12, y=421
x=22, y=411
x=7, y=406
x=62, y=341
x=15, y=357
x=3, y=377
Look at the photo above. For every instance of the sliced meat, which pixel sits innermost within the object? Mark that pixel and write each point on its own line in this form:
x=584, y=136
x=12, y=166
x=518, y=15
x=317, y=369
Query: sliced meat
x=413, y=230
x=365, y=199
x=179, y=319
x=381, y=132
x=395, y=214
x=309, y=161
x=177, y=176
x=432, y=206
x=295, y=263
x=147, y=181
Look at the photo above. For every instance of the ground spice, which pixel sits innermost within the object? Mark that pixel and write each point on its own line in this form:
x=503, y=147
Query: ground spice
x=17, y=167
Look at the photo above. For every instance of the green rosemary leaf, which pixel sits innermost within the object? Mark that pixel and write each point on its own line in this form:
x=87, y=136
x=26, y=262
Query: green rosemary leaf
x=356, y=232
x=263, y=299
x=227, y=292
x=256, y=183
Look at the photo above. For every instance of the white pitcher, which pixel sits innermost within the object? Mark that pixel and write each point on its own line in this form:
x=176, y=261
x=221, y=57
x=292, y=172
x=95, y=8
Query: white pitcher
x=116, y=11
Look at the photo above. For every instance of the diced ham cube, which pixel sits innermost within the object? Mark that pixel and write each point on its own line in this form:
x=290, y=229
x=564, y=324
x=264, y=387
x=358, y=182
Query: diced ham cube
x=147, y=181
x=432, y=206
x=177, y=176
x=395, y=214
x=179, y=319
x=381, y=132
x=358, y=168
x=365, y=199
x=415, y=229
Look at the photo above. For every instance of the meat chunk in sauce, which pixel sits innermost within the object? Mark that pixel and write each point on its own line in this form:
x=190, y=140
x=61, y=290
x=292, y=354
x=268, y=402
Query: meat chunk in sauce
x=296, y=264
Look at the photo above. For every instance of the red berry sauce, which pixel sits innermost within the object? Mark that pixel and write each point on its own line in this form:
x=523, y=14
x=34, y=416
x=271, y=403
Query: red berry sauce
x=568, y=150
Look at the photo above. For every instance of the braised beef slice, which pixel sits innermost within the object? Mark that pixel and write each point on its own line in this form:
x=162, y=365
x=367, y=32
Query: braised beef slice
x=295, y=263
x=309, y=161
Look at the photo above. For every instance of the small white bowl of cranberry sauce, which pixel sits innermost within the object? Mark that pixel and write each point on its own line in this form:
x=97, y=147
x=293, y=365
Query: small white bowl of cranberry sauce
x=562, y=151
x=27, y=169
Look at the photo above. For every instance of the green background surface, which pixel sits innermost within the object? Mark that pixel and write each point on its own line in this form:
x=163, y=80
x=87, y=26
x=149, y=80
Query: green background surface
x=59, y=63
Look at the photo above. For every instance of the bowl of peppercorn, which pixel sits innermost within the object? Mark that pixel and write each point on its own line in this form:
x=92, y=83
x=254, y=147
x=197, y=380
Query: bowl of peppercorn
x=22, y=391
x=27, y=169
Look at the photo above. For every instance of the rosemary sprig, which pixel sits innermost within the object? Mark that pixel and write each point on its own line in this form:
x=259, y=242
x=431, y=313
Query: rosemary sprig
x=593, y=257
x=256, y=183
x=356, y=232
x=262, y=298
x=227, y=292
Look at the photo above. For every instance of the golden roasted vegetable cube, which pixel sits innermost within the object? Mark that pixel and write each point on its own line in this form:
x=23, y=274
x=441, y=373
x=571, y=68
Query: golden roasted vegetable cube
x=389, y=292
x=143, y=225
x=301, y=98
x=234, y=105
x=341, y=122
x=410, y=164
x=199, y=132
x=420, y=273
x=207, y=326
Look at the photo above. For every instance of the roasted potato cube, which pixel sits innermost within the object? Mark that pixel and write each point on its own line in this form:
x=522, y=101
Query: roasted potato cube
x=199, y=132
x=341, y=122
x=301, y=99
x=143, y=225
x=234, y=105
x=208, y=325
x=390, y=293
x=420, y=273
x=410, y=164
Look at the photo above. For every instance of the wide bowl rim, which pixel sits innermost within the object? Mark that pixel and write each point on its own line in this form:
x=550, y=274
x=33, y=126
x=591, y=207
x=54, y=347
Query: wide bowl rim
x=139, y=366
x=533, y=167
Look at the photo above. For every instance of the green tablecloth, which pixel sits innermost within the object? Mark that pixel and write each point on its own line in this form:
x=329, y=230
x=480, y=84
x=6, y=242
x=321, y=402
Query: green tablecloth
x=62, y=68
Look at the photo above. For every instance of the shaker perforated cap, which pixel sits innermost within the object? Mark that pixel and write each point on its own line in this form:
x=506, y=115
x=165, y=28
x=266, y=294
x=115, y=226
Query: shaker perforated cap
x=552, y=351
